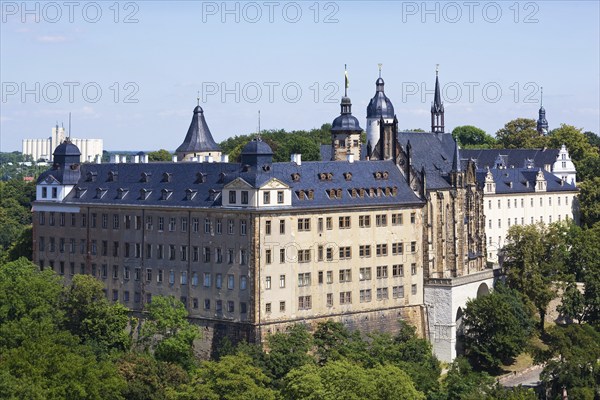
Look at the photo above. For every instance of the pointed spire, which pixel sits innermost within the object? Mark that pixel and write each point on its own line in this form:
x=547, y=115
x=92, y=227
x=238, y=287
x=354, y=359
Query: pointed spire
x=346, y=81
x=198, y=138
x=380, y=65
x=456, y=158
x=542, y=123
x=437, y=107
x=542, y=97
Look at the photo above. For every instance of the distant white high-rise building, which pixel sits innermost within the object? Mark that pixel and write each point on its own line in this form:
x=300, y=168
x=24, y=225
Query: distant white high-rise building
x=43, y=148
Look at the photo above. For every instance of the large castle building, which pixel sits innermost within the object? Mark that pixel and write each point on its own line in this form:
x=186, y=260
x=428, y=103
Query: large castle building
x=253, y=246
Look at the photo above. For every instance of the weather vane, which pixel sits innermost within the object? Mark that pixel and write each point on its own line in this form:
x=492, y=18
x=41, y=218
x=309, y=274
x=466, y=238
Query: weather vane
x=380, y=65
x=198, y=98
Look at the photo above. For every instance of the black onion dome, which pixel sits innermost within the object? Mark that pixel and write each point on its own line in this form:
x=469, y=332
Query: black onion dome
x=346, y=121
x=66, y=149
x=380, y=105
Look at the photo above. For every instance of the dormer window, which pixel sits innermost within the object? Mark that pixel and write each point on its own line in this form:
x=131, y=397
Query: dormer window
x=212, y=194
x=394, y=191
x=167, y=177
x=323, y=176
x=311, y=194
x=165, y=194
x=267, y=197
x=348, y=176
x=145, y=178
x=232, y=197
x=244, y=197
x=44, y=192
x=79, y=192
x=91, y=176
x=296, y=177
x=144, y=193
x=200, y=177
x=121, y=193
x=100, y=192
x=190, y=194
x=112, y=176
x=353, y=192
x=222, y=177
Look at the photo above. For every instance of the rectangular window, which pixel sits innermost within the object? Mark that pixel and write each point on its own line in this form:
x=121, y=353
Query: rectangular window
x=244, y=197
x=329, y=276
x=219, y=306
x=219, y=281
x=329, y=223
x=267, y=227
x=207, y=225
x=219, y=228
x=364, y=221
x=207, y=279
x=413, y=247
x=115, y=272
x=397, y=248
x=243, y=282
x=206, y=254
x=344, y=222
x=172, y=224
x=184, y=224
x=73, y=219
x=268, y=283
x=382, y=293
x=398, y=270
x=267, y=197
x=230, y=256
x=364, y=250
x=280, y=197
x=304, y=256
x=329, y=254
x=345, y=275
x=159, y=276
x=243, y=257
x=281, y=226
x=230, y=304
x=149, y=223
x=194, y=278
x=398, y=292
x=413, y=289
x=230, y=226
x=207, y=304
x=195, y=224
x=148, y=275
x=304, y=303
x=161, y=224
x=51, y=221
x=172, y=253
x=381, y=220
x=345, y=297
x=365, y=274
x=281, y=256
x=303, y=224
x=345, y=252
x=365, y=295
x=281, y=281
x=184, y=278
x=413, y=218
x=42, y=218
x=243, y=227
x=382, y=271
x=116, y=221
x=329, y=299
x=127, y=221
x=397, y=219
x=413, y=269
x=304, y=279
x=232, y=197
x=268, y=256
x=230, y=282
x=126, y=273
x=104, y=221
x=137, y=274
x=268, y=308
x=381, y=250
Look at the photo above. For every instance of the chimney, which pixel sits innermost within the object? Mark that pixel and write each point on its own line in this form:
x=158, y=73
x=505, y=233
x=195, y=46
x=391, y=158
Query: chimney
x=98, y=159
x=210, y=159
x=136, y=159
x=174, y=158
x=225, y=158
x=145, y=158
x=293, y=157
x=297, y=158
x=350, y=157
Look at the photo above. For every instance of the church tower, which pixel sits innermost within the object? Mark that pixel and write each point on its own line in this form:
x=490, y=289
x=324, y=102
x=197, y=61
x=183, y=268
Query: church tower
x=437, y=108
x=198, y=143
x=345, y=131
x=380, y=107
x=542, y=124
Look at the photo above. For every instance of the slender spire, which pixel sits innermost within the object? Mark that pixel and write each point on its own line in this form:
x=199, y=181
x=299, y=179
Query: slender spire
x=542, y=123
x=258, y=135
x=346, y=81
x=437, y=107
x=198, y=98
x=456, y=158
x=380, y=64
x=69, y=136
x=542, y=96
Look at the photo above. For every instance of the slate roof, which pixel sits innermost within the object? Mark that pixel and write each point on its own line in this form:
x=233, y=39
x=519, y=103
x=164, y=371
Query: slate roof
x=206, y=180
x=434, y=152
x=514, y=157
x=380, y=105
x=513, y=180
x=198, y=137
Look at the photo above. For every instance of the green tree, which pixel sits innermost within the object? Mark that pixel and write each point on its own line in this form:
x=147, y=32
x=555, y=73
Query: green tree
x=593, y=139
x=160, y=155
x=168, y=332
x=230, y=378
x=588, y=168
x=576, y=142
x=520, y=133
x=149, y=379
x=288, y=350
x=463, y=383
x=572, y=361
x=497, y=328
x=589, y=201
x=333, y=341
x=471, y=137
x=91, y=317
x=535, y=257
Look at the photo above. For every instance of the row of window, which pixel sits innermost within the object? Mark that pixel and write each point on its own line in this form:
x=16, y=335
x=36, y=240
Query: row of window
x=244, y=196
x=515, y=221
x=515, y=202
x=134, y=250
x=365, y=296
x=345, y=275
x=160, y=275
x=344, y=222
x=135, y=222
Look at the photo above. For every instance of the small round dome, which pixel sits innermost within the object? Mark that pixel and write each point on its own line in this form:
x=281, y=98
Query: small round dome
x=257, y=146
x=380, y=105
x=346, y=122
x=379, y=83
x=66, y=148
x=198, y=109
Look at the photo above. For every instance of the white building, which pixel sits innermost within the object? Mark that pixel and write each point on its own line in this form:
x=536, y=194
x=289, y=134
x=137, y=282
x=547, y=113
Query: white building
x=42, y=148
x=521, y=196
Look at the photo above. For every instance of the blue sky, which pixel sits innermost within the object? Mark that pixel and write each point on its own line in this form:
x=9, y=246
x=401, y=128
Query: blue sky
x=130, y=71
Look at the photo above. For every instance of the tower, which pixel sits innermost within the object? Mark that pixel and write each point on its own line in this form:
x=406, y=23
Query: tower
x=380, y=107
x=345, y=131
x=542, y=124
x=198, y=142
x=437, y=107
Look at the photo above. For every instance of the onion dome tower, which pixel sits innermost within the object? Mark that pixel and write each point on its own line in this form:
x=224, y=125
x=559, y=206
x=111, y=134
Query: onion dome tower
x=345, y=131
x=379, y=107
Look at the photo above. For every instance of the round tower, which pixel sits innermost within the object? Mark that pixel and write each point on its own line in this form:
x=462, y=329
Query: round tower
x=379, y=107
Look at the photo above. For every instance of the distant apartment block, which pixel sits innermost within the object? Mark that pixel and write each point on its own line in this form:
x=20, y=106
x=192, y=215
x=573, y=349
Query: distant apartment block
x=42, y=148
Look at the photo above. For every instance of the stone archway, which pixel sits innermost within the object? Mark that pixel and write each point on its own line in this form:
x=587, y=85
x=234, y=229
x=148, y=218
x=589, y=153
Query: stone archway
x=482, y=290
x=460, y=332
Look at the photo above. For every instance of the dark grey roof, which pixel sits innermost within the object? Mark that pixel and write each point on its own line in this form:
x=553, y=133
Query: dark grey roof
x=198, y=138
x=437, y=106
x=514, y=157
x=380, y=105
x=65, y=167
x=125, y=184
x=522, y=180
x=346, y=121
x=432, y=151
